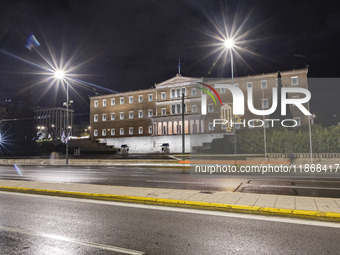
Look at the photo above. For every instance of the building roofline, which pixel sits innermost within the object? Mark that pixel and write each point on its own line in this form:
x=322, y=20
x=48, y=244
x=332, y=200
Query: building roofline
x=123, y=93
x=301, y=70
x=176, y=76
x=52, y=108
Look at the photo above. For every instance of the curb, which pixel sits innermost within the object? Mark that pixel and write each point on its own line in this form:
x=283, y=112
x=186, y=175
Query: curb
x=318, y=215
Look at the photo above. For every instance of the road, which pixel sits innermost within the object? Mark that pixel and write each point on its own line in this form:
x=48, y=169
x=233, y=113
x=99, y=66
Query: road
x=35, y=224
x=177, y=178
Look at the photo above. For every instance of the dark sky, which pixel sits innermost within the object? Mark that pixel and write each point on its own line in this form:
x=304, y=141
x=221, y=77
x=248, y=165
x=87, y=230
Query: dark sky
x=128, y=45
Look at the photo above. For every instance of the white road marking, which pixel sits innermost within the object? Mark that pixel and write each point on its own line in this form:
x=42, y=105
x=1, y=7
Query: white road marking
x=185, y=210
x=297, y=187
x=315, y=181
x=153, y=164
x=10, y=175
x=170, y=156
x=70, y=240
x=179, y=182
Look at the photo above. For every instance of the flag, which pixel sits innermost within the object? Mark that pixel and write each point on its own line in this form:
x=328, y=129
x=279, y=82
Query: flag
x=179, y=66
x=63, y=138
x=32, y=42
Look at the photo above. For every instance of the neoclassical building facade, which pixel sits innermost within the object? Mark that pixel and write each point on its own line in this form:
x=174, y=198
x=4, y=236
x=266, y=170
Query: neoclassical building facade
x=157, y=112
x=52, y=120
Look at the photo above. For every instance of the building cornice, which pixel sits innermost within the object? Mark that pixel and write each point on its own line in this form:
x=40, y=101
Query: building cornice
x=257, y=76
x=128, y=93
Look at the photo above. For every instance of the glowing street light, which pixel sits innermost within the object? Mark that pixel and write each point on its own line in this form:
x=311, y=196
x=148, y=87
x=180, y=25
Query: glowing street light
x=229, y=45
x=60, y=75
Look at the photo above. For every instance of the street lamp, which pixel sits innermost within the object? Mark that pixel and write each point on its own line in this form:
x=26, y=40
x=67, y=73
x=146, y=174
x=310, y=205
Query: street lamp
x=229, y=45
x=60, y=75
x=52, y=128
x=310, y=122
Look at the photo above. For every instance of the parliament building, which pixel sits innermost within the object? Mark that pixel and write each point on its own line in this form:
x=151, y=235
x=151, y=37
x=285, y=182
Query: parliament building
x=144, y=119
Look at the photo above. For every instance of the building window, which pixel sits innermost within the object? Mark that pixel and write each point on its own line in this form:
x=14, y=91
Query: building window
x=295, y=81
x=150, y=97
x=121, y=131
x=121, y=116
x=173, y=109
x=104, y=102
x=184, y=91
x=264, y=103
x=266, y=124
x=263, y=84
x=193, y=92
x=210, y=108
x=122, y=100
x=131, y=131
x=140, y=98
x=223, y=127
x=95, y=118
x=173, y=93
x=113, y=132
x=131, y=115
x=163, y=111
x=178, y=92
x=140, y=114
x=178, y=108
x=222, y=90
x=140, y=130
x=130, y=100
x=249, y=84
x=150, y=113
x=113, y=117
x=150, y=129
x=95, y=103
x=194, y=108
x=298, y=121
x=95, y=132
x=163, y=95
x=103, y=117
x=103, y=132
x=113, y=101
x=211, y=126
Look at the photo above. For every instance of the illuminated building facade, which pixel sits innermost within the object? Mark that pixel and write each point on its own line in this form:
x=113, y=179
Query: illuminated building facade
x=152, y=116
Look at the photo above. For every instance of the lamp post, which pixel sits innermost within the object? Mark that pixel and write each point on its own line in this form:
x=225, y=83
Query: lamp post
x=310, y=122
x=264, y=127
x=53, y=135
x=229, y=45
x=60, y=75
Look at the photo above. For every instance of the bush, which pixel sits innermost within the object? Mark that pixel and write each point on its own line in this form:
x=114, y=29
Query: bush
x=282, y=140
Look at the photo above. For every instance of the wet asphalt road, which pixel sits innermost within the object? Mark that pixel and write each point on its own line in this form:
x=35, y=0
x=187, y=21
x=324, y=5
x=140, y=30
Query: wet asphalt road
x=40, y=225
x=177, y=178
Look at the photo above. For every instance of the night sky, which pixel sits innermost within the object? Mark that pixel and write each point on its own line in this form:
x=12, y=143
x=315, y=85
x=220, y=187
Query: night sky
x=129, y=45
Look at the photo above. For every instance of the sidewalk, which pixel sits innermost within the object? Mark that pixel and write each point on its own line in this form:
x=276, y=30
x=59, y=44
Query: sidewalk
x=293, y=206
